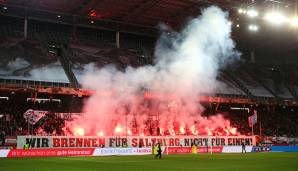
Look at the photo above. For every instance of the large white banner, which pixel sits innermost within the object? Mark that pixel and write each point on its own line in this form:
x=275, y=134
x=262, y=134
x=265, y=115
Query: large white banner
x=131, y=141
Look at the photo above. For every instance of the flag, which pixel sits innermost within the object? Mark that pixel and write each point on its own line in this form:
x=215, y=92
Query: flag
x=33, y=116
x=253, y=119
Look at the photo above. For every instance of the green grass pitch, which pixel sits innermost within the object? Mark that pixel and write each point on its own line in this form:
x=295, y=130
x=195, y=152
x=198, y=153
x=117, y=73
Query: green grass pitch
x=208, y=162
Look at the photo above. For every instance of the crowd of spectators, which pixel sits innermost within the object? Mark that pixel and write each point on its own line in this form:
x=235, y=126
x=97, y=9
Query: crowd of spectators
x=13, y=122
x=272, y=120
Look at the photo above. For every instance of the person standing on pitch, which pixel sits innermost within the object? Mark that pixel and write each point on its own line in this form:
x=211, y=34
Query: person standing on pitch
x=159, y=151
x=154, y=149
x=243, y=147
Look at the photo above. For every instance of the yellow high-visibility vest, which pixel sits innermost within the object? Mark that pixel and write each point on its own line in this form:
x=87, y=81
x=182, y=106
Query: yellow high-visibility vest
x=194, y=149
x=26, y=146
x=155, y=149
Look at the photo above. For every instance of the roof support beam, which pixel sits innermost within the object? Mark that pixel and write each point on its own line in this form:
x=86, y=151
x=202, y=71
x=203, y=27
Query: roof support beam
x=138, y=11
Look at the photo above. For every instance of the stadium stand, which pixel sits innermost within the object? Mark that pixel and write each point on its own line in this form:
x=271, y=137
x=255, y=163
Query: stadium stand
x=273, y=120
x=51, y=45
x=98, y=47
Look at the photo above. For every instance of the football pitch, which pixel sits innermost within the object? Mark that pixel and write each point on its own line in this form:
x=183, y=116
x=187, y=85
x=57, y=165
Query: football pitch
x=229, y=162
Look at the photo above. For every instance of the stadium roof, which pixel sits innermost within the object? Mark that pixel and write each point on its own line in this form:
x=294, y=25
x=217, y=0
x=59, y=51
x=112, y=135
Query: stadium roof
x=139, y=12
x=142, y=17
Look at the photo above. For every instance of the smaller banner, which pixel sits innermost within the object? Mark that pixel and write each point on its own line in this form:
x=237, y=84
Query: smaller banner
x=69, y=116
x=4, y=153
x=33, y=116
x=51, y=152
x=236, y=149
x=215, y=149
x=121, y=151
x=284, y=148
x=177, y=150
x=61, y=152
x=261, y=149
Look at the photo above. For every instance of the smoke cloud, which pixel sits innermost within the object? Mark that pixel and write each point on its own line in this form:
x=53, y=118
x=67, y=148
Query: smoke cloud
x=186, y=65
x=21, y=69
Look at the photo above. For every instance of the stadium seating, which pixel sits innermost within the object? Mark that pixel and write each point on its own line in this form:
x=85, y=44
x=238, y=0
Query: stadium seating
x=22, y=59
x=98, y=47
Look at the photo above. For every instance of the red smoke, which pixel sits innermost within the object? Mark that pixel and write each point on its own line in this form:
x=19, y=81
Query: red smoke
x=153, y=117
x=186, y=66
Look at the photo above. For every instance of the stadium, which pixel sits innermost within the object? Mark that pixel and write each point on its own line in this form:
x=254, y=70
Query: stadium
x=148, y=85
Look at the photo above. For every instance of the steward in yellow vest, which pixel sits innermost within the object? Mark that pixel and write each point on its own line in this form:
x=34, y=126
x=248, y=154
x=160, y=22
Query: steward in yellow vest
x=194, y=149
x=154, y=150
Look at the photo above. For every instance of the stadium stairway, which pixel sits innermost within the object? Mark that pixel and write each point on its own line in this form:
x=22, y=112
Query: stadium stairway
x=261, y=82
x=287, y=84
x=67, y=66
x=234, y=79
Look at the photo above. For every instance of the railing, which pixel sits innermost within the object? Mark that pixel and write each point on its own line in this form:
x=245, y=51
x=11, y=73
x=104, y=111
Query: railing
x=256, y=99
x=28, y=83
x=11, y=84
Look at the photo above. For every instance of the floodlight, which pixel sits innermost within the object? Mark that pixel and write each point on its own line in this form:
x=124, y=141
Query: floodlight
x=242, y=11
x=294, y=22
x=276, y=18
x=253, y=28
x=252, y=13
